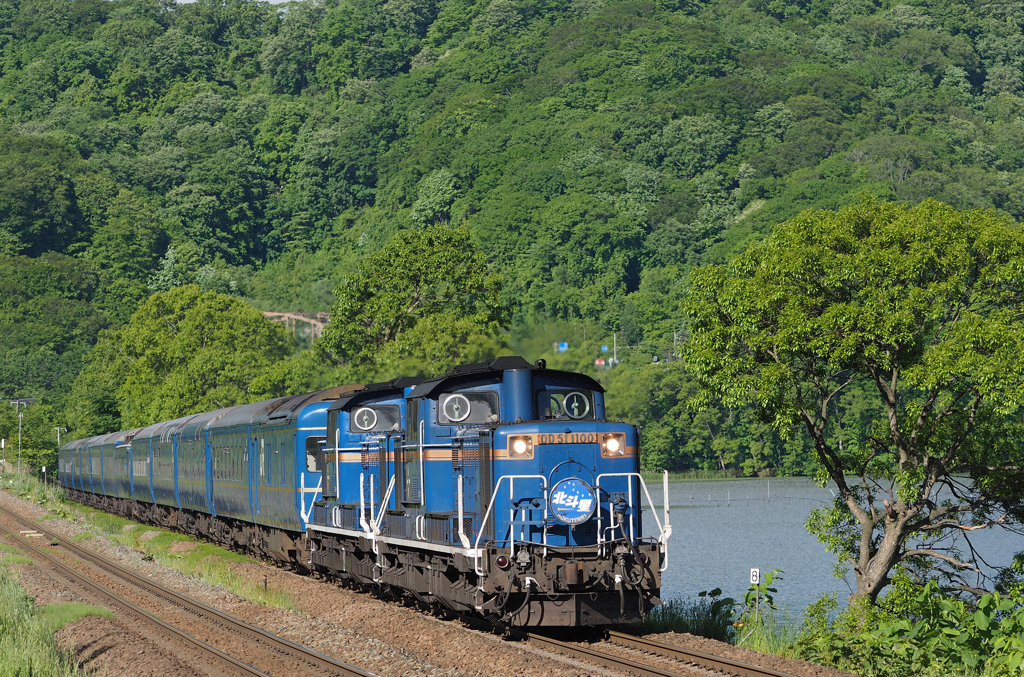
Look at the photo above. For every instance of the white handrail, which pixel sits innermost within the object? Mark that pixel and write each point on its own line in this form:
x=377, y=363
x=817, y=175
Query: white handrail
x=362, y=505
x=383, y=506
x=475, y=554
x=665, y=531
x=423, y=479
x=337, y=464
x=462, y=530
x=305, y=513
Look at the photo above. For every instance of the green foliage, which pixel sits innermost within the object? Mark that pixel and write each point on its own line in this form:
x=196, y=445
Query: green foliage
x=425, y=302
x=26, y=635
x=710, y=615
x=919, y=305
x=183, y=351
x=59, y=615
x=763, y=592
x=596, y=151
x=938, y=635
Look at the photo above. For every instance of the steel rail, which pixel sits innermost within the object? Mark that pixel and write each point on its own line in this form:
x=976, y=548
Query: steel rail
x=605, y=660
x=131, y=609
x=698, y=658
x=275, y=643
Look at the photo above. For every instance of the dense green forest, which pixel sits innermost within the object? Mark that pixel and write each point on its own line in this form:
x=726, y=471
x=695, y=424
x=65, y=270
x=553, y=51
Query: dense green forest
x=594, y=150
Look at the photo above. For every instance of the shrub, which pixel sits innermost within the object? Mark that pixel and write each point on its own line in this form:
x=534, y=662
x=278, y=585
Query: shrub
x=710, y=615
x=943, y=635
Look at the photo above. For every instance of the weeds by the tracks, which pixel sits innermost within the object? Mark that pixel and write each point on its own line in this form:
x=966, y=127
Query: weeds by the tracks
x=209, y=563
x=27, y=487
x=708, y=616
x=773, y=631
x=26, y=633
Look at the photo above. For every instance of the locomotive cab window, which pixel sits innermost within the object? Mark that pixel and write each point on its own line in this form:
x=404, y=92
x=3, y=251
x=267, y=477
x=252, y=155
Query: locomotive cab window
x=375, y=419
x=467, y=407
x=314, y=450
x=575, y=405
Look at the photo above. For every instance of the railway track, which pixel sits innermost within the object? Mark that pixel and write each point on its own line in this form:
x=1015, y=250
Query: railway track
x=702, y=660
x=315, y=661
x=686, y=657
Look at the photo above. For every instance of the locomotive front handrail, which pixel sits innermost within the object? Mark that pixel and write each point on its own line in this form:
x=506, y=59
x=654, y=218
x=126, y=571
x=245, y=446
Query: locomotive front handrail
x=383, y=506
x=318, y=490
x=475, y=553
x=665, y=530
x=362, y=502
x=462, y=528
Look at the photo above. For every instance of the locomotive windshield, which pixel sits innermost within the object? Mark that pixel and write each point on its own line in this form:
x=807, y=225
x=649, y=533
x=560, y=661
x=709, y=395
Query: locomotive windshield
x=378, y=418
x=467, y=407
x=566, y=404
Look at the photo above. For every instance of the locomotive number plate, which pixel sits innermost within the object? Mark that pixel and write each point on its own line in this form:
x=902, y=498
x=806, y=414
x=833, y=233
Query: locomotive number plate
x=567, y=438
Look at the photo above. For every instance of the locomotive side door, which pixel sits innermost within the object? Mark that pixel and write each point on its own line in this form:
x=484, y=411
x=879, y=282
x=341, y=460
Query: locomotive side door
x=471, y=459
x=374, y=457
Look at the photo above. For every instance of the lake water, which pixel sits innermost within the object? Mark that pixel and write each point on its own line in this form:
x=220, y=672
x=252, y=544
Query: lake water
x=721, y=529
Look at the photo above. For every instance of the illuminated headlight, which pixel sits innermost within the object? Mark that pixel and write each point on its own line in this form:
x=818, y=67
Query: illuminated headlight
x=613, y=445
x=520, y=446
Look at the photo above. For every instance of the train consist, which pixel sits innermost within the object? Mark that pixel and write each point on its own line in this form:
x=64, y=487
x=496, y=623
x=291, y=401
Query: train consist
x=499, y=489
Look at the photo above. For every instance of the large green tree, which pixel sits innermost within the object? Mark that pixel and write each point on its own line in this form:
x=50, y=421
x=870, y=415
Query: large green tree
x=183, y=351
x=422, y=304
x=923, y=306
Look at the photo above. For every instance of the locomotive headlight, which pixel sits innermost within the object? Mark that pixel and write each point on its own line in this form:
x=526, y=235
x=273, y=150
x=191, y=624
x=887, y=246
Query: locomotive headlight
x=520, y=446
x=613, y=445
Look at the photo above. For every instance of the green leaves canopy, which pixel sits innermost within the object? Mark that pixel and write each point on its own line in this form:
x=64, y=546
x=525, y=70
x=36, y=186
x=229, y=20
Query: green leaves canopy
x=183, y=351
x=426, y=301
x=922, y=307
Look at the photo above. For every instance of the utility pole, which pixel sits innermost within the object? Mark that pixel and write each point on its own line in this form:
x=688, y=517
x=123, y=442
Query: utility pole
x=59, y=431
x=18, y=404
x=615, y=347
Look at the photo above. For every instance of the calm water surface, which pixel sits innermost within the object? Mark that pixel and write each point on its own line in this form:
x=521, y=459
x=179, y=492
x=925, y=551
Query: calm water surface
x=721, y=529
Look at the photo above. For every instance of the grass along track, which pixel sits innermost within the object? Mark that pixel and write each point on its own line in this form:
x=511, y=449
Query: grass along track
x=696, y=658
x=312, y=660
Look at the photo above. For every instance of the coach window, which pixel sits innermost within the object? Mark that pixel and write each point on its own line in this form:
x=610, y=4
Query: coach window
x=314, y=448
x=283, y=466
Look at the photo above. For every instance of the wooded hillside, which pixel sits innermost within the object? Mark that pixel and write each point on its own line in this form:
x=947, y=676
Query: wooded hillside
x=595, y=150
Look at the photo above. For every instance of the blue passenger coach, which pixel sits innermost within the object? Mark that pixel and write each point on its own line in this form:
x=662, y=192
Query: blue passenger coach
x=499, y=489
x=245, y=476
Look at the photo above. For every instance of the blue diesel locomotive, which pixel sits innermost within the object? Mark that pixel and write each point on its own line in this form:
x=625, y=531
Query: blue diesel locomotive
x=499, y=489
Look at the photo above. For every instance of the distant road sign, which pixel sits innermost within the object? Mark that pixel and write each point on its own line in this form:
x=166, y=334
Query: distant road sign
x=563, y=346
x=604, y=349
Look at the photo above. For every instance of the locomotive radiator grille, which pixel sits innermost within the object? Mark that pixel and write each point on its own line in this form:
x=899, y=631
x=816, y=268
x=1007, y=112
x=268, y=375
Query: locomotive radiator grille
x=465, y=453
x=438, y=528
x=370, y=455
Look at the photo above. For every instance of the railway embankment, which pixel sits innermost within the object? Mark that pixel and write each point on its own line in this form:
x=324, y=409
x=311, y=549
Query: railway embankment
x=377, y=635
